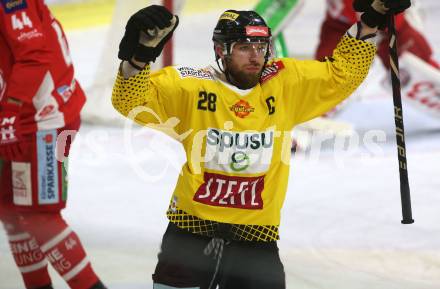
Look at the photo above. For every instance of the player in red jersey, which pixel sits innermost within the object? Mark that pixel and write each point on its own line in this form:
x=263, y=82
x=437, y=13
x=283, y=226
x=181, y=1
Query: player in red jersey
x=340, y=15
x=420, y=73
x=39, y=100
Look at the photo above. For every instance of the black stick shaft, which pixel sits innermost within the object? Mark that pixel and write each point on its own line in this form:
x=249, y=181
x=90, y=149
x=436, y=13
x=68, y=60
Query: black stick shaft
x=400, y=131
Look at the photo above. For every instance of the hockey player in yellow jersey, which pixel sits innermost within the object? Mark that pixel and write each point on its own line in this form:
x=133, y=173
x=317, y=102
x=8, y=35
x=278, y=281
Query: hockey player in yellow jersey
x=234, y=122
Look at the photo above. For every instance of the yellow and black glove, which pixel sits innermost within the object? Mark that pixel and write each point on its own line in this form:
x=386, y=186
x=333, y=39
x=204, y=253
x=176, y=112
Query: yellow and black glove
x=146, y=33
x=376, y=12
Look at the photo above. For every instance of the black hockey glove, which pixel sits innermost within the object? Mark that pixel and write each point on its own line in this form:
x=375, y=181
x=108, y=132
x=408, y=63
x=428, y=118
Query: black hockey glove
x=376, y=11
x=146, y=33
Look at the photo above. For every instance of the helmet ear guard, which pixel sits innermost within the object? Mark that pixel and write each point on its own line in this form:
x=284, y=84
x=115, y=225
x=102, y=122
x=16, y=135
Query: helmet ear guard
x=224, y=50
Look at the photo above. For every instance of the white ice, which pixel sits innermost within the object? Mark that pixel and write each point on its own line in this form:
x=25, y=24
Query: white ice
x=341, y=220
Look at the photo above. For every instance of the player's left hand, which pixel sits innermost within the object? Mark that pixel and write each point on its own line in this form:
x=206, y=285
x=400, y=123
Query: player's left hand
x=376, y=12
x=396, y=6
x=146, y=33
x=10, y=131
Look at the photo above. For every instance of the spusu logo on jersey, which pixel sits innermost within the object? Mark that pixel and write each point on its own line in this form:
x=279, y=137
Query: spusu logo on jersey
x=236, y=154
x=244, y=152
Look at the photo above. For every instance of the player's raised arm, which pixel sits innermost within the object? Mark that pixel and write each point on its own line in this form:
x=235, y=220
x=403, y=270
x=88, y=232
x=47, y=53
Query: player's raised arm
x=375, y=12
x=146, y=34
x=329, y=82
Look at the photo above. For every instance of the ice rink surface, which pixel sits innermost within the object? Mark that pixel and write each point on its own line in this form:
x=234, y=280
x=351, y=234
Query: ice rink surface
x=341, y=220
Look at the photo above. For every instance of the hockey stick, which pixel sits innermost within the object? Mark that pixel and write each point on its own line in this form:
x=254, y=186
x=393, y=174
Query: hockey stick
x=398, y=119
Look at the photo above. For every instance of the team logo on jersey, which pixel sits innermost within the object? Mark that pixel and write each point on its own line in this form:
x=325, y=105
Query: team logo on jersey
x=46, y=111
x=47, y=167
x=185, y=71
x=231, y=191
x=2, y=85
x=66, y=91
x=242, y=108
x=271, y=70
x=239, y=152
x=13, y=5
x=229, y=16
x=7, y=130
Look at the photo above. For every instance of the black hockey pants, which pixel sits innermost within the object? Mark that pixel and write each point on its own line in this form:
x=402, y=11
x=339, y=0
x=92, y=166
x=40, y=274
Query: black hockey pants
x=192, y=261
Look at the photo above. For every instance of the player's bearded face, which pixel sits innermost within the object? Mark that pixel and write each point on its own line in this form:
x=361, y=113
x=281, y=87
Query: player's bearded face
x=246, y=63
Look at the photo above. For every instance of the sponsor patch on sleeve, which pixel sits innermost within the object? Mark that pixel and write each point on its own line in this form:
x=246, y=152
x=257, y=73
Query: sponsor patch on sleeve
x=271, y=70
x=66, y=91
x=185, y=71
x=11, y=6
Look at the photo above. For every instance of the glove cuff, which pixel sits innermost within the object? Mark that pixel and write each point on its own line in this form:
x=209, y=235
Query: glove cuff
x=134, y=65
x=145, y=54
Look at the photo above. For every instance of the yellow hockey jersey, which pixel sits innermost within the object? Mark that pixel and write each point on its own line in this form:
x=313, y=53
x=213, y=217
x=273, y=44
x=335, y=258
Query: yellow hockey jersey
x=237, y=142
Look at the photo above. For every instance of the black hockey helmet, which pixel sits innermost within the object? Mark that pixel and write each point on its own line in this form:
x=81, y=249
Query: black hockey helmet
x=241, y=26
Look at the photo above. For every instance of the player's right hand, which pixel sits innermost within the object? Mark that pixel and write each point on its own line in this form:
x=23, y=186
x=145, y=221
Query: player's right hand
x=376, y=11
x=146, y=33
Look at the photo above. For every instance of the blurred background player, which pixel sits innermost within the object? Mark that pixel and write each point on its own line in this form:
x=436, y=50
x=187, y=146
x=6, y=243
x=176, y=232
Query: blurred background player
x=417, y=65
x=340, y=15
x=39, y=99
